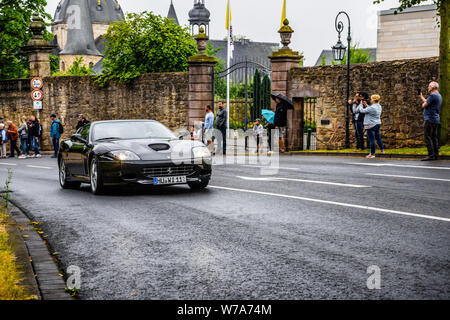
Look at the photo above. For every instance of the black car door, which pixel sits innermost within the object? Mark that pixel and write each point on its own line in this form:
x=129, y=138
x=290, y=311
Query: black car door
x=78, y=151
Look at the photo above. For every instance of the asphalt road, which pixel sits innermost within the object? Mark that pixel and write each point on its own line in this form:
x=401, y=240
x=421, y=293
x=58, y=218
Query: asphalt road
x=308, y=232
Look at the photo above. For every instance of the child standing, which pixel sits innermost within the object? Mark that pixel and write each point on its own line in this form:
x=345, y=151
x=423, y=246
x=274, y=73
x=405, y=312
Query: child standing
x=3, y=141
x=257, y=133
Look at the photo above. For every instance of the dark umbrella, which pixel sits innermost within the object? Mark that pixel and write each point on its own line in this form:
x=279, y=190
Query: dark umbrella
x=283, y=98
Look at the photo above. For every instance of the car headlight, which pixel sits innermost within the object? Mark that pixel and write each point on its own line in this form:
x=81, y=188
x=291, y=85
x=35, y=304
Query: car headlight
x=123, y=155
x=201, y=152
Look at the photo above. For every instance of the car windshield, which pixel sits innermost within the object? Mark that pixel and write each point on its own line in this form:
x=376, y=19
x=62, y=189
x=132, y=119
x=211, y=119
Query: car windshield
x=124, y=130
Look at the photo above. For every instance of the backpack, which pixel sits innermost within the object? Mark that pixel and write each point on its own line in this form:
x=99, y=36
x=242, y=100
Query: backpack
x=60, y=128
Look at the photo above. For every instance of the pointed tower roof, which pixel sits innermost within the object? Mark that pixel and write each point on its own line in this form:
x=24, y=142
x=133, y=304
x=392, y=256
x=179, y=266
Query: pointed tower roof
x=101, y=11
x=80, y=36
x=105, y=11
x=172, y=14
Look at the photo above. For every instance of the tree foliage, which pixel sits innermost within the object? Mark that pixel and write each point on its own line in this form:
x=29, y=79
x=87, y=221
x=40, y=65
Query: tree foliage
x=78, y=68
x=15, y=17
x=410, y=3
x=143, y=43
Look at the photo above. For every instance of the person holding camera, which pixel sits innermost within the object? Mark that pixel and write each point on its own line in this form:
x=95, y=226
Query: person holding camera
x=358, y=120
x=431, y=114
x=372, y=123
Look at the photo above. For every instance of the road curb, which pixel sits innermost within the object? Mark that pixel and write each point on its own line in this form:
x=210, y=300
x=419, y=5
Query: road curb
x=50, y=284
x=362, y=155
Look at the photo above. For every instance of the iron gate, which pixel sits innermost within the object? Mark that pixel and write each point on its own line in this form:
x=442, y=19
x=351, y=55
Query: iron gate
x=309, y=124
x=250, y=88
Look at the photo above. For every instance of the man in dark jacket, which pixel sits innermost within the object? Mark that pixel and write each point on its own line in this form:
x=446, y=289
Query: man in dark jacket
x=82, y=121
x=280, y=121
x=221, y=124
x=34, y=134
x=358, y=120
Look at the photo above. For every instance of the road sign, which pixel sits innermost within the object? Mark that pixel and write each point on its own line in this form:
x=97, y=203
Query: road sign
x=37, y=105
x=37, y=95
x=36, y=83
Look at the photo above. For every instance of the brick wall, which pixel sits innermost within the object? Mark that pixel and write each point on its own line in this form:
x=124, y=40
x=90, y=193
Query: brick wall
x=157, y=96
x=395, y=81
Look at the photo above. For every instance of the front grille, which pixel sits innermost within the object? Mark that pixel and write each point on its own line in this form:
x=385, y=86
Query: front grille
x=168, y=171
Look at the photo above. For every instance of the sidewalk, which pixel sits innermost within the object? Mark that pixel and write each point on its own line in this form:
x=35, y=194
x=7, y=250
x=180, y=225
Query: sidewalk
x=362, y=155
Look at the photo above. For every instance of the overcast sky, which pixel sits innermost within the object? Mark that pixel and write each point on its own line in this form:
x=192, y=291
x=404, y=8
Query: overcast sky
x=259, y=20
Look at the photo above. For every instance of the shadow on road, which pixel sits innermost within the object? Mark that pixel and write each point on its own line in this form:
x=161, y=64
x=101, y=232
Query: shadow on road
x=136, y=190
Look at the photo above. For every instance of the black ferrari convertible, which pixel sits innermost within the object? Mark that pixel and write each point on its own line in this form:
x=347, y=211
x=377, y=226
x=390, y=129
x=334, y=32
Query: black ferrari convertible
x=143, y=152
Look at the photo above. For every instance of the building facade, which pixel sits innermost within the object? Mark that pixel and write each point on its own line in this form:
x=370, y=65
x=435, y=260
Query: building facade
x=413, y=33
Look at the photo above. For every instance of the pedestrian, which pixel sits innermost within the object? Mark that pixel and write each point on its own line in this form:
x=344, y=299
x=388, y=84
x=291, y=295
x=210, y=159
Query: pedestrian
x=258, y=130
x=372, y=123
x=208, y=126
x=34, y=134
x=270, y=128
x=23, y=134
x=221, y=124
x=431, y=114
x=280, y=122
x=3, y=140
x=13, y=136
x=56, y=129
x=358, y=121
x=82, y=121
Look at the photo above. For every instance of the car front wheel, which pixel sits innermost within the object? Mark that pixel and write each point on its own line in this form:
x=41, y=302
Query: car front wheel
x=97, y=186
x=63, y=173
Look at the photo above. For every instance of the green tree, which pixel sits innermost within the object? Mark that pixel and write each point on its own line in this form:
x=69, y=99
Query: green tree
x=15, y=17
x=266, y=91
x=78, y=68
x=257, y=98
x=444, y=54
x=143, y=43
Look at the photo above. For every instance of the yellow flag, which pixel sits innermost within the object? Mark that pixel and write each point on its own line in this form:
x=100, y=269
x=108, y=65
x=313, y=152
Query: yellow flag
x=283, y=14
x=227, y=26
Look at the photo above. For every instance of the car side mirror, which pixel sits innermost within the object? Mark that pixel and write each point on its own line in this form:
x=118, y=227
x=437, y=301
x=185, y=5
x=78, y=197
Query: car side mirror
x=77, y=137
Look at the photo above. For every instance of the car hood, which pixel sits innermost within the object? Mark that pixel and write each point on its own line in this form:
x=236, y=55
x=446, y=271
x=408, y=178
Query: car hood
x=148, y=149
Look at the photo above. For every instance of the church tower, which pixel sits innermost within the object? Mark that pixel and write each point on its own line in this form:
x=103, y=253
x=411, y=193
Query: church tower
x=78, y=28
x=172, y=13
x=199, y=17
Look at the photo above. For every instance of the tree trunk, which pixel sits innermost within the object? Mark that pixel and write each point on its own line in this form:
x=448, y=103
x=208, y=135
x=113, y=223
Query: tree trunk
x=444, y=70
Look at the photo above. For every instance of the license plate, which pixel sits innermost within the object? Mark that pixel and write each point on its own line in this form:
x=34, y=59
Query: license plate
x=169, y=180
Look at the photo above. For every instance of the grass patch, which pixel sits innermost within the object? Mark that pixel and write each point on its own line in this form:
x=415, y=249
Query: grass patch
x=445, y=151
x=9, y=273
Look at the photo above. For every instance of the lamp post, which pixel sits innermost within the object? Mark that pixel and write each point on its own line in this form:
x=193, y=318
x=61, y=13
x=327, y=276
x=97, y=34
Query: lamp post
x=338, y=54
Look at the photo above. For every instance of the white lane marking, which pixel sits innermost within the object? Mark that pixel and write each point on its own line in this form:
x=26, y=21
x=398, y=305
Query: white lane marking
x=396, y=165
x=282, y=168
x=39, y=167
x=303, y=180
x=406, y=177
x=8, y=164
x=342, y=204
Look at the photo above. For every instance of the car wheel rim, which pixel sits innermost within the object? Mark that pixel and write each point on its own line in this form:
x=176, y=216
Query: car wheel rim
x=62, y=173
x=94, y=176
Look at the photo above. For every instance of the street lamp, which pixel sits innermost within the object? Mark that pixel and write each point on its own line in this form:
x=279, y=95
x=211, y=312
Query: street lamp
x=338, y=55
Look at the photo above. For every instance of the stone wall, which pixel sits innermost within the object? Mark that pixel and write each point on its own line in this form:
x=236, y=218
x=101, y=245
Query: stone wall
x=157, y=96
x=395, y=81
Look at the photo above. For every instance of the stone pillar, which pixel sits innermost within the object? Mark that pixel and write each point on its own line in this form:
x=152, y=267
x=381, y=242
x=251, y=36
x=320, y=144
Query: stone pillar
x=201, y=80
x=283, y=61
x=38, y=49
